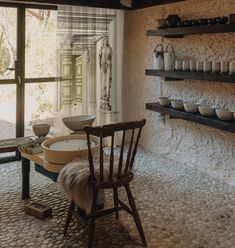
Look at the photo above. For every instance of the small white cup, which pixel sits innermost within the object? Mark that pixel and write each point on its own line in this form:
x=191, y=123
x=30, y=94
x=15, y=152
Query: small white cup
x=224, y=67
x=185, y=65
x=215, y=67
x=199, y=66
x=192, y=66
x=178, y=65
x=207, y=66
x=232, y=68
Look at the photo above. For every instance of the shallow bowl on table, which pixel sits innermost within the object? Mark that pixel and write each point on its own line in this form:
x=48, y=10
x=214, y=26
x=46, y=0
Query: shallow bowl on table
x=77, y=123
x=63, y=149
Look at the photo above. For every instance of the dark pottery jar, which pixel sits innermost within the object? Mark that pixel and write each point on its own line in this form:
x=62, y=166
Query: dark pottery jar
x=187, y=23
x=173, y=20
x=222, y=20
x=232, y=19
x=212, y=21
x=195, y=23
x=203, y=21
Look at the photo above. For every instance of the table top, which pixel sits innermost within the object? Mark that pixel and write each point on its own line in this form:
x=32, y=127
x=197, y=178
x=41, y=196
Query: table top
x=40, y=160
x=8, y=145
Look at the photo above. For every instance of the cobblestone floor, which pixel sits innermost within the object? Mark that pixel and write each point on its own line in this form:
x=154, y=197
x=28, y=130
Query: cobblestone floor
x=179, y=207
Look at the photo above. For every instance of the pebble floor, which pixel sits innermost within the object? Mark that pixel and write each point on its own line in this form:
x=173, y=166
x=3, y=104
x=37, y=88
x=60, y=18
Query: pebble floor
x=179, y=207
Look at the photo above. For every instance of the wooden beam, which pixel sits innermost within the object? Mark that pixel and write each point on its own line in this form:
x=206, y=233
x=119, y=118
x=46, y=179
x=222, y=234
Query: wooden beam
x=112, y=4
x=140, y=4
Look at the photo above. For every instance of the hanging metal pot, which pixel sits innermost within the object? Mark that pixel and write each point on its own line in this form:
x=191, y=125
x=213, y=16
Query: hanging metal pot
x=169, y=58
x=157, y=58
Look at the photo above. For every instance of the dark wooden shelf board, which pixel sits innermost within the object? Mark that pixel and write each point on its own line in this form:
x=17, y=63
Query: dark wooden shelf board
x=214, y=122
x=216, y=77
x=181, y=31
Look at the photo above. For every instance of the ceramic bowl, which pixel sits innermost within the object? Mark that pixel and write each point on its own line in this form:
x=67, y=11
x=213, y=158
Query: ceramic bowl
x=224, y=114
x=206, y=110
x=77, y=123
x=41, y=130
x=177, y=104
x=190, y=107
x=164, y=101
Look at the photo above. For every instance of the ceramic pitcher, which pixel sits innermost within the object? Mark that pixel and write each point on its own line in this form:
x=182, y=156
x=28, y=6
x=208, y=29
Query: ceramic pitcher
x=169, y=58
x=157, y=58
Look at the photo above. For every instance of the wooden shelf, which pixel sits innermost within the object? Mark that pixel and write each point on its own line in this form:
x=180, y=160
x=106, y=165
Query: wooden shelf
x=214, y=122
x=181, y=31
x=216, y=77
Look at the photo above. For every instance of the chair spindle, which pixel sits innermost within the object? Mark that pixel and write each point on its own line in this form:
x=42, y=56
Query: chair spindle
x=121, y=154
x=111, y=159
x=90, y=158
x=129, y=151
x=101, y=160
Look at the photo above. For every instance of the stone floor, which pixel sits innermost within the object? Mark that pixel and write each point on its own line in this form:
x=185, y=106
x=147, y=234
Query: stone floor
x=179, y=207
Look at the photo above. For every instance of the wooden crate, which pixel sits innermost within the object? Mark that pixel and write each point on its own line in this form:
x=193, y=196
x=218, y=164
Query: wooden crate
x=38, y=210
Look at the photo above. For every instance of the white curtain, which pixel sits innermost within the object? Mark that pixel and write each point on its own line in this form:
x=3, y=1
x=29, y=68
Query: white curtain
x=90, y=45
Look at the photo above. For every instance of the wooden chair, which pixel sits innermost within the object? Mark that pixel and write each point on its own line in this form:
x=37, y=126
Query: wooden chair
x=115, y=178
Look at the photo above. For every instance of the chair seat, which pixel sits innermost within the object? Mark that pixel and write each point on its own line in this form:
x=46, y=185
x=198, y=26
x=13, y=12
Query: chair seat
x=74, y=179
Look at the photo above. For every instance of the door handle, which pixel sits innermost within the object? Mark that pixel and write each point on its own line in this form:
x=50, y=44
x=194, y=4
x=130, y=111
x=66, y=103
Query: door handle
x=12, y=69
x=19, y=80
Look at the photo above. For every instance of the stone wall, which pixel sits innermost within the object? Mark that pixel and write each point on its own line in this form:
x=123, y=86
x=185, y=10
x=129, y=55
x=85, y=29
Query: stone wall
x=208, y=149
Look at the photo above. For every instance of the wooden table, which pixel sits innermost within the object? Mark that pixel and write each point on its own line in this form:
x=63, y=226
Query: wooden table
x=43, y=167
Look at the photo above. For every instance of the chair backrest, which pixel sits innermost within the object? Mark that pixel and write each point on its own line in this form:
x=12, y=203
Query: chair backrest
x=135, y=127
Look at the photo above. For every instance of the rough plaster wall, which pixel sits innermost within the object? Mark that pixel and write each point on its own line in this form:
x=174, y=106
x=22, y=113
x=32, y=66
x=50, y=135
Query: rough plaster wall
x=208, y=149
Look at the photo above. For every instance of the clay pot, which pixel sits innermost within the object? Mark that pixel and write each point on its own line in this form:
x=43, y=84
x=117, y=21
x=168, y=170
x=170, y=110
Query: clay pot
x=41, y=130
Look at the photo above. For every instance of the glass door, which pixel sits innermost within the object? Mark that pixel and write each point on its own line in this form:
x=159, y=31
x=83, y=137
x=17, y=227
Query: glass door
x=9, y=75
x=40, y=67
x=27, y=69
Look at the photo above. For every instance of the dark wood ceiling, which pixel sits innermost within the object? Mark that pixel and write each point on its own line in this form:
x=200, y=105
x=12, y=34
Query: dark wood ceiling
x=113, y=4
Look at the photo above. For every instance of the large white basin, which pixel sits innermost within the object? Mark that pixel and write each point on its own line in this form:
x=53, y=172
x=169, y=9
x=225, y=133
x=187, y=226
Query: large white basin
x=63, y=149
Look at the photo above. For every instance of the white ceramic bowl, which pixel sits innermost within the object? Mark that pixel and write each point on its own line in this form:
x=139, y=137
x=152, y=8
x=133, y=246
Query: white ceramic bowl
x=164, y=101
x=224, y=114
x=177, y=104
x=206, y=110
x=77, y=123
x=190, y=107
x=41, y=130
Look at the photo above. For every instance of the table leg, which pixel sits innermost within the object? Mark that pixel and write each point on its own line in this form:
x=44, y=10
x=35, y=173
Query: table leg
x=25, y=178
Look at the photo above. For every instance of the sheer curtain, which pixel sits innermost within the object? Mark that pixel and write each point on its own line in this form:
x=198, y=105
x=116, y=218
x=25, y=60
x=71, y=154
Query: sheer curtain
x=90, y=44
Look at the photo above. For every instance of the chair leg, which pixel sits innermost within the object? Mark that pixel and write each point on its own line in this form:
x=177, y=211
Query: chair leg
x=92, y=221
x=135, y=214
x=69, y=216
x=115, y=199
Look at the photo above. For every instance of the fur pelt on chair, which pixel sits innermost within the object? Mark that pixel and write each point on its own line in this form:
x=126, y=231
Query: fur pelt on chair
x=74, y=180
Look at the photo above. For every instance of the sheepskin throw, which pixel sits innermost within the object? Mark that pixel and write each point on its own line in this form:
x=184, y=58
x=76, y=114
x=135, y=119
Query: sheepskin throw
x=74, y=181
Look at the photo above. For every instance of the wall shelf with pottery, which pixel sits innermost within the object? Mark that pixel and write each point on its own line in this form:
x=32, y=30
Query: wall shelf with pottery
x=181, y=75
x=214, y=122
x=180, y=32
